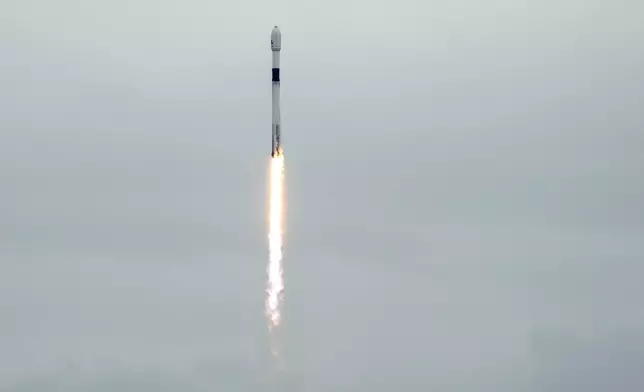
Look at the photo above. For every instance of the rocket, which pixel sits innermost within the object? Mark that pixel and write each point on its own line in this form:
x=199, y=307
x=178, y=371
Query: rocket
x=276, y=46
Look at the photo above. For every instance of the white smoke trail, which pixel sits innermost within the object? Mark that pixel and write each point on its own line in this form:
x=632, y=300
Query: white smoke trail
x=275, y=286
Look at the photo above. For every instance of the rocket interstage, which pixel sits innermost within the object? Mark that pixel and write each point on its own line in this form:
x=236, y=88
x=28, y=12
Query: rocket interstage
x=276, y=46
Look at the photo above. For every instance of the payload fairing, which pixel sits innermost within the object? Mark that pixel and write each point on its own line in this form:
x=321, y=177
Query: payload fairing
x=276, y=46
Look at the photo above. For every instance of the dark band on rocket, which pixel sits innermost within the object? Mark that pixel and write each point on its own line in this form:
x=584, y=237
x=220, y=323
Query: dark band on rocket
x=276, y=74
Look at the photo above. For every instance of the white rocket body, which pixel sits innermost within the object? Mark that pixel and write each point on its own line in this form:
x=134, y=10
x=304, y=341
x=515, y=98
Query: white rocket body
x=276, y=46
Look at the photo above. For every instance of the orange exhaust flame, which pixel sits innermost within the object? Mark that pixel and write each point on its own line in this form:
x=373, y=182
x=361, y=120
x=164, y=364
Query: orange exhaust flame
x=275, y=287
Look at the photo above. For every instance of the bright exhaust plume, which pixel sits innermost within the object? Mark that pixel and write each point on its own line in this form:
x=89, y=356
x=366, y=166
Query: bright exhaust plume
x=275, y=286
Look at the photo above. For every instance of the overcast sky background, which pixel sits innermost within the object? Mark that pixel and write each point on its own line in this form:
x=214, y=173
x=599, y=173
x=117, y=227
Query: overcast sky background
x=464, y=195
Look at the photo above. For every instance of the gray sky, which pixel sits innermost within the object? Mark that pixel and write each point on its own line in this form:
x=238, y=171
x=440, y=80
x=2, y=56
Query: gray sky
x=464, y=195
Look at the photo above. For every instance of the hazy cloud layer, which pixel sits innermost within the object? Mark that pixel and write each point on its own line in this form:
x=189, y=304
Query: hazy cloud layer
x=464, y=195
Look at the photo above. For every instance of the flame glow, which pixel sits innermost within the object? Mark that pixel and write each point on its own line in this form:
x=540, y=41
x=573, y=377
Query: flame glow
x=275, y=287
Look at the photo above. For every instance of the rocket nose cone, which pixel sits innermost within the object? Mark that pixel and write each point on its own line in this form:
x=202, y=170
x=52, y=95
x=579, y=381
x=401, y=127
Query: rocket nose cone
x=276, y=39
